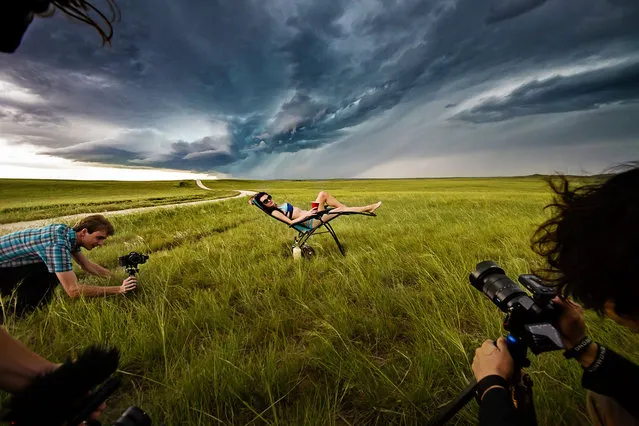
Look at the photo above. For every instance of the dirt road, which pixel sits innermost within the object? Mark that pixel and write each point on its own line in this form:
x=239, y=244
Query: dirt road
x=15, y=226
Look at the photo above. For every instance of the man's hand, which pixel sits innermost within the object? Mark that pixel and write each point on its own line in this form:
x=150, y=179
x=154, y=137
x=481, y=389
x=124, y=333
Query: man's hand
x=491, y=358
x=96, y=414
x=572, y=327
x=129, y=284
x=571, y=323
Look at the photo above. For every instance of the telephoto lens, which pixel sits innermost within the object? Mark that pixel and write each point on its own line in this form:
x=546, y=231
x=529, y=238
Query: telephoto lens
x=528, y=319
x=491, y=280
x=133, y=416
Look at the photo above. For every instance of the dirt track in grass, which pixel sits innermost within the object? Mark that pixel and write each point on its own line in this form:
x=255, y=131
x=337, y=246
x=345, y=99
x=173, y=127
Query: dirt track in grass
x=15, y=226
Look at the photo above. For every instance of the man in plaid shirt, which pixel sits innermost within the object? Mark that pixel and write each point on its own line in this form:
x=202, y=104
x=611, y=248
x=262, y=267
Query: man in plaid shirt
x=34, y=261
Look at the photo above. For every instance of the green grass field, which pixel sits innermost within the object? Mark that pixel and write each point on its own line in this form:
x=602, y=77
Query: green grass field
x=227, y=328
x=24, y=200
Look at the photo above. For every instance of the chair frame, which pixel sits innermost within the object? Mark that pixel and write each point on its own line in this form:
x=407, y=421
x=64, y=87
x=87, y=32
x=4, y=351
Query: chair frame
x=304, y=233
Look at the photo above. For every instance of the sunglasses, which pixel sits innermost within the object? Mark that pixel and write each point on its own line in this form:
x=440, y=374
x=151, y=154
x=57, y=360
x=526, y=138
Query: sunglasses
x=267, y=199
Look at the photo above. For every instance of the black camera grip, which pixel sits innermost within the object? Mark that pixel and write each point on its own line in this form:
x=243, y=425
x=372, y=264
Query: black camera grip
x=94, y=400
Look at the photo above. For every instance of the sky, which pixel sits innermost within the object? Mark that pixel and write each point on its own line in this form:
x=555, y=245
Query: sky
x=309, y=89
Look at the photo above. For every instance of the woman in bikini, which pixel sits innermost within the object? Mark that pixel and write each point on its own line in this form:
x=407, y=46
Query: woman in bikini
x=294, y=215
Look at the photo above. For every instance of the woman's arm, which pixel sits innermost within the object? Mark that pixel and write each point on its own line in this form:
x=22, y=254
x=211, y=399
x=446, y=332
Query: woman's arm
x=281, y=216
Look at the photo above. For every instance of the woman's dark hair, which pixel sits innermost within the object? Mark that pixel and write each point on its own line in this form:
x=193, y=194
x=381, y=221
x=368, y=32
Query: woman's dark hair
x=257, y=198
x=591, y=243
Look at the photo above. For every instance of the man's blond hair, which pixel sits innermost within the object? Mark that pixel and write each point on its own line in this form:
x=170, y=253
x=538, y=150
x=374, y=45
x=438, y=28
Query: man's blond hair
x=95, y=222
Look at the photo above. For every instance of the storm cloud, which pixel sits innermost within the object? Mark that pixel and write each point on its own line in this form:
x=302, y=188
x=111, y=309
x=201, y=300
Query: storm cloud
x=556, y=94
x=248, y=87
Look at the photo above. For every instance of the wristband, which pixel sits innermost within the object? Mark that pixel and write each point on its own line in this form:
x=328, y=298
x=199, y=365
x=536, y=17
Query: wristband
x=599, y=359
x=487, y=382
x=578, y=348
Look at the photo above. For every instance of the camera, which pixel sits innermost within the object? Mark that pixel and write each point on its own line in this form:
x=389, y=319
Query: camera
x=69, y=394
x=131, y=261
x=528, y=319
x=133, y=416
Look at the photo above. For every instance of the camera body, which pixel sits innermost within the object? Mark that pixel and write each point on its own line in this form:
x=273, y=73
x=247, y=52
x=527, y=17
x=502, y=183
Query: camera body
x=529, y=320
x=131, y=261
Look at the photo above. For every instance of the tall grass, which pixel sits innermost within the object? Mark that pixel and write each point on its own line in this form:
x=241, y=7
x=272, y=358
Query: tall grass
x=227, y=328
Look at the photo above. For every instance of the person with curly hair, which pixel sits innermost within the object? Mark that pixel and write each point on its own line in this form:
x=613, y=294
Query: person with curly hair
x=590, y=244
x=17, y=15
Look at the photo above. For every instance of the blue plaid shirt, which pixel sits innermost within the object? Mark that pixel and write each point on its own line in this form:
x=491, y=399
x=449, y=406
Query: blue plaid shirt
x=51, y=244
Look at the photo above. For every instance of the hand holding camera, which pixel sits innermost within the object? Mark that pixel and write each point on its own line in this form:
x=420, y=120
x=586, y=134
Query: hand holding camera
x=130, y=263
x=493, y=358
x=129, y=284
x=570, y=323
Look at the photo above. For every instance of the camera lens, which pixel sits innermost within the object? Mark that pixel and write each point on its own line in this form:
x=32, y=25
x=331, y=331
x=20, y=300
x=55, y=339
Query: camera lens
x=133, y=416
x=491, y=280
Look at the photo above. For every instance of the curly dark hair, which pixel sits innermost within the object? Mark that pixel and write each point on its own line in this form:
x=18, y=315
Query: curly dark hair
x=81, y=10
x=17, y=15
x=591, y=243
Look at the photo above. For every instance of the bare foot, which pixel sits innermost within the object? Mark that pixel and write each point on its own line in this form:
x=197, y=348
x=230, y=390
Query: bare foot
x=375, y=207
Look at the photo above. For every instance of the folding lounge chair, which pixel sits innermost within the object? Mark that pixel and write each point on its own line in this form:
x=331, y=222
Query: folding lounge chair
x=304, y=232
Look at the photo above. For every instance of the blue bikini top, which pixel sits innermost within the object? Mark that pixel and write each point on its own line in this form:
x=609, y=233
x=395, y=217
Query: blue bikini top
x=287, y=209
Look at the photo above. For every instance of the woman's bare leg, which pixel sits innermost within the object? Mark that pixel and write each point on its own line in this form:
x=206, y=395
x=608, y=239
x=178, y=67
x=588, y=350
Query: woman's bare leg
x=325, y=198
x=328, y=216
x=361, y=209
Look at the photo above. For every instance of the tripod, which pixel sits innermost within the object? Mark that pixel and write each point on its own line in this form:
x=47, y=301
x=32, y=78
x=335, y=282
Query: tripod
x=521, y=390
x=132, y=270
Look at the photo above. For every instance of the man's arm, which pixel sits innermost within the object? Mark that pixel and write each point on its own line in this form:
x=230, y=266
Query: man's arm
x=90, y=267
x=610, y=374
x=71, y=286
x=492, y=360
x=605, y=372
x=496, y=408
x=18, y=364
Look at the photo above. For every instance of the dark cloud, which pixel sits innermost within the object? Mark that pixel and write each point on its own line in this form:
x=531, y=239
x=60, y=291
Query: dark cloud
x=589, y=90
x=97, y=153
x=206, y=152
x=200, y=154
x=290, y=77
x=32, y=116
x=506, y=9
